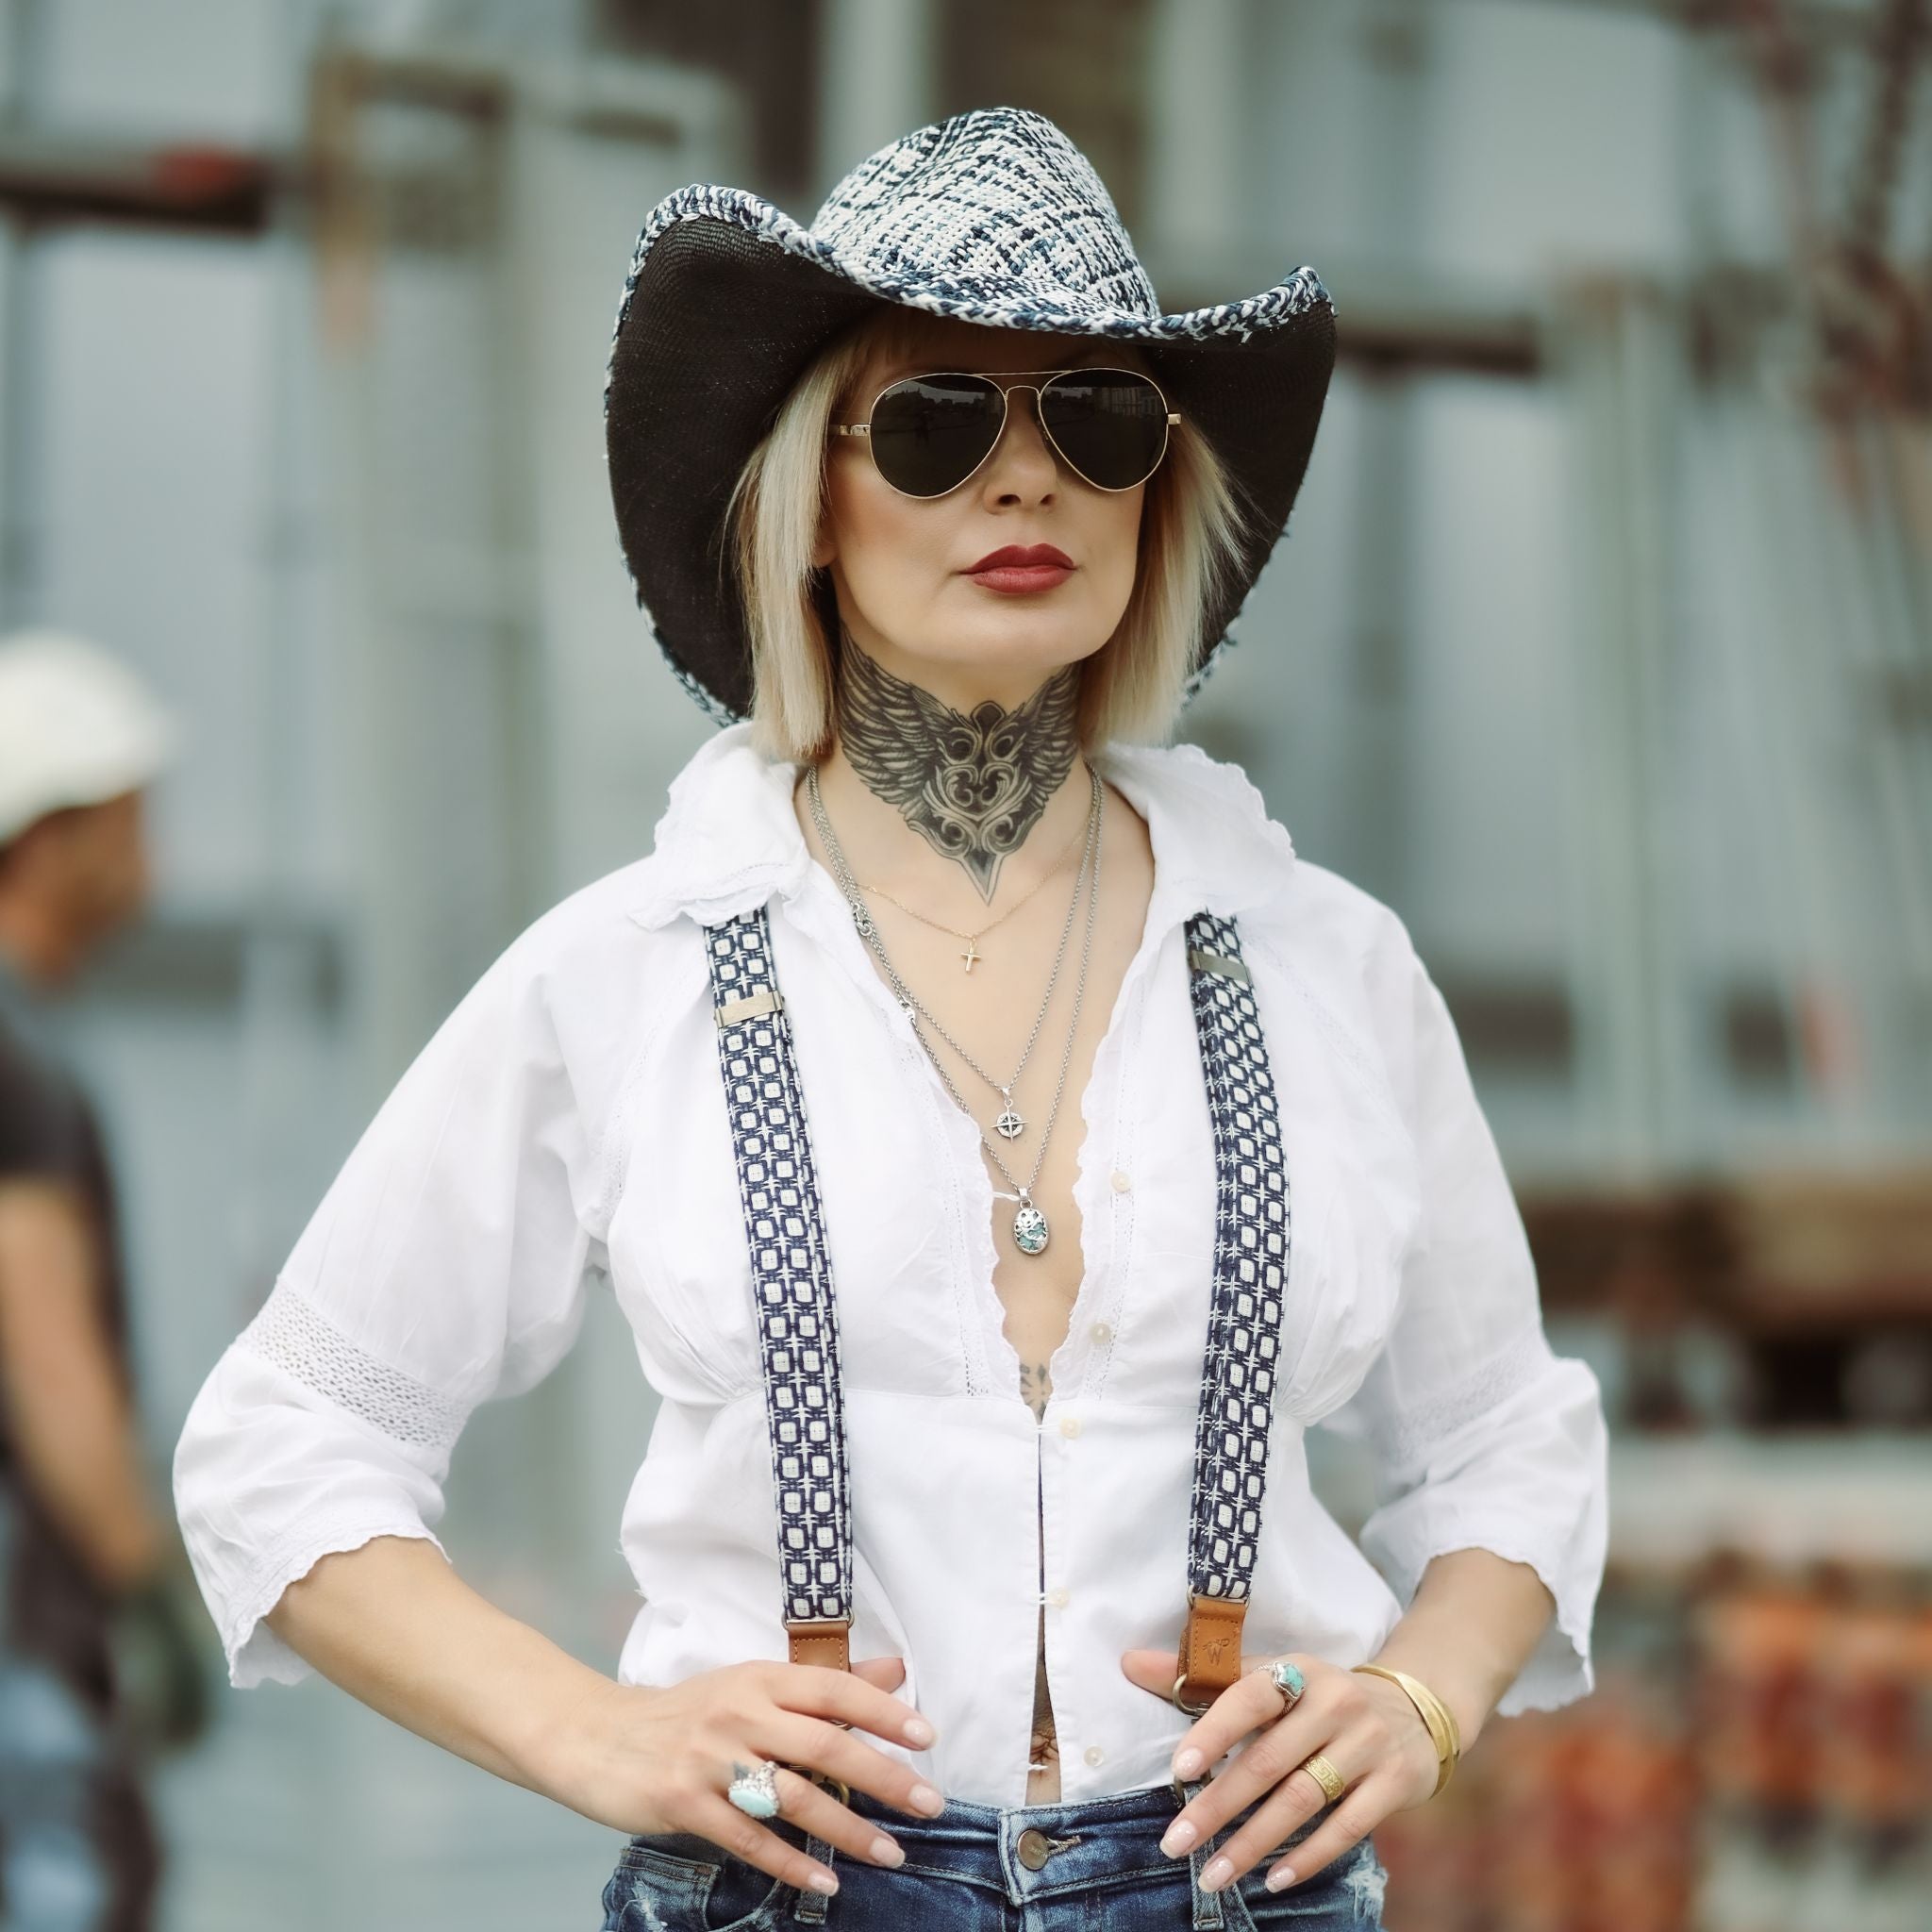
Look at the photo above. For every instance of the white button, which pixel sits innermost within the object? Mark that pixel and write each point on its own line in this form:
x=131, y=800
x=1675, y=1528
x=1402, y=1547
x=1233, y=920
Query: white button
x=1120, y=1183
x=1101, y=1332
x=1095, y=1754
x=1057, y=1598
x=1070, y=1425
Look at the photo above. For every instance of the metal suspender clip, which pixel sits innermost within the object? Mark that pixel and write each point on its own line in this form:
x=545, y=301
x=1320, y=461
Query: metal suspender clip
x=765, y=1000
x=1205, y=961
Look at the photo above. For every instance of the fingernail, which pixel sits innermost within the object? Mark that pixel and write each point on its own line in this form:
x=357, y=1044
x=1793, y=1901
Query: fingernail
x=822, y=1881
x=885, y=1852
x=1217, y=1870
x=927, y=1800
x=1280, y=1878
x=1178, y=1836
x=918, y=1731
x=1188, y=1763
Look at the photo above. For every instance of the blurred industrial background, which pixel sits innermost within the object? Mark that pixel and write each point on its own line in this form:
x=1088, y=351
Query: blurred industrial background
x=1600, y=647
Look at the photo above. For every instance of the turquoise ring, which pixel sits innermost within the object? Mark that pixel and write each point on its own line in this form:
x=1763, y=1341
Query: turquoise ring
x=1289, y=1681
x=756, y=1792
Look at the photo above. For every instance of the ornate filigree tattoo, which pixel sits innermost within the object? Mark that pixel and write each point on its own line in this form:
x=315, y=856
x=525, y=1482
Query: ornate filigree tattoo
x=972, y=784
x=1036, y=1385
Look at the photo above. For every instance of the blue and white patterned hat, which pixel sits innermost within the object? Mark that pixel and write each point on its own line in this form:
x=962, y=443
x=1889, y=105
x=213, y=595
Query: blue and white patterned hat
x=991, y=216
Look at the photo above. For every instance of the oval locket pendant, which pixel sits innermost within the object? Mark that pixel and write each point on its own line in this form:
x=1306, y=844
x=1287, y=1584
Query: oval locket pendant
x=1029, y=1229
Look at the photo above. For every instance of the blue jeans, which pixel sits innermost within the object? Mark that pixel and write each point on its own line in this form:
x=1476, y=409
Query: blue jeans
x=976, y=1868
x=79, y=1849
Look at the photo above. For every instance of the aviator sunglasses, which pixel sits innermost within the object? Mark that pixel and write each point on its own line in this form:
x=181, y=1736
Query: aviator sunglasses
x=928, y=433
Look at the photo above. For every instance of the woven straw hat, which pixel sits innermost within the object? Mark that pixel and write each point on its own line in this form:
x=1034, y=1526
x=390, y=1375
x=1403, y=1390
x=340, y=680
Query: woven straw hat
x=992, y=216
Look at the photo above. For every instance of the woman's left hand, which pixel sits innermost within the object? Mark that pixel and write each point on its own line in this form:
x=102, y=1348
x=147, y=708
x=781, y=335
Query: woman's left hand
x=1364, y=1725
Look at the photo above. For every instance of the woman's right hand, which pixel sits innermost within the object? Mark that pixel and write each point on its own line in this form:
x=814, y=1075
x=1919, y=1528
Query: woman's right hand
x=645, y=1759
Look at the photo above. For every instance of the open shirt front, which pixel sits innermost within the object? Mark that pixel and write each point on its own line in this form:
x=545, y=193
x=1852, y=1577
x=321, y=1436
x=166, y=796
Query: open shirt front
x=564, y=1133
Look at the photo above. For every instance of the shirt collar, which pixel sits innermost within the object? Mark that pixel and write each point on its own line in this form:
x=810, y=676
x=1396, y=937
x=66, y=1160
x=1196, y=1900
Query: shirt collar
x=729, y=840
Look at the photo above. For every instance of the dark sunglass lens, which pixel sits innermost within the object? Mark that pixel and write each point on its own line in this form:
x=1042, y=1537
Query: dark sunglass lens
x=931, y=432
x=1110, y=424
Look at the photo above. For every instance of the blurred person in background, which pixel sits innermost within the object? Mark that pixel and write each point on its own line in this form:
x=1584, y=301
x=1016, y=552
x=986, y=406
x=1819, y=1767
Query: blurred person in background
x=96, y=1664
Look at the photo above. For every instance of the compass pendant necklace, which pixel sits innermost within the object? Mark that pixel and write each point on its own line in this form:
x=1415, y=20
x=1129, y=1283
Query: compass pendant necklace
x=1030, y=1229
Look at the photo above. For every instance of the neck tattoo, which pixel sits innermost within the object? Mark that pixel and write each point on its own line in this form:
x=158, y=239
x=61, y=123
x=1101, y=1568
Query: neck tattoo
x=972, y=784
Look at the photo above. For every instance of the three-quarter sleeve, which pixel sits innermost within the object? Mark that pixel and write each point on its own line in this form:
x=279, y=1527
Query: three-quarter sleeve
x=1481, y=1436
x=447, y=1264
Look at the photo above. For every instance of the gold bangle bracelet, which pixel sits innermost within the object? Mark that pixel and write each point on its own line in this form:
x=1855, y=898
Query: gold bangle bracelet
x=1437, y=1717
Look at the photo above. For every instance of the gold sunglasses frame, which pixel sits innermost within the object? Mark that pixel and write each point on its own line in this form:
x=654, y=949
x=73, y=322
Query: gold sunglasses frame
x=865, y=428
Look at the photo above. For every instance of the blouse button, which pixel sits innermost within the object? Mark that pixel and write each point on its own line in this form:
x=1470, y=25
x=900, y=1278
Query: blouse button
x=1095, y=1754
x=1070, y=1425
x=1057, y=1597
x=1120, y=1183
x=1101, y=1332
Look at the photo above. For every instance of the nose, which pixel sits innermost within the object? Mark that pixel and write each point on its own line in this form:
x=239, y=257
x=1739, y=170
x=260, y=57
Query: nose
x=1033, y=445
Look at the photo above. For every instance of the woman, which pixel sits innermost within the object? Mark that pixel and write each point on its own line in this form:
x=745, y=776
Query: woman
x=940, y=517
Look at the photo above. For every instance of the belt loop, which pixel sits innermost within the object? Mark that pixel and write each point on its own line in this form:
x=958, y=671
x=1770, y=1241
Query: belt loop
x=1209, y=1913
x=810, y=1908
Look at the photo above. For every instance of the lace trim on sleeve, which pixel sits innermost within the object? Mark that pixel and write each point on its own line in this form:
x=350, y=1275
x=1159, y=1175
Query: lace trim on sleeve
x=289, y=1331
x=1421, y=1426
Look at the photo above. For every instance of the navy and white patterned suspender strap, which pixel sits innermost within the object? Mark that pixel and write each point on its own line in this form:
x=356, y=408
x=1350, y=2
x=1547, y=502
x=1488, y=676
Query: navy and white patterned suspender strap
x=791, y=1283
x=797, y=1314
x=1250, y=1248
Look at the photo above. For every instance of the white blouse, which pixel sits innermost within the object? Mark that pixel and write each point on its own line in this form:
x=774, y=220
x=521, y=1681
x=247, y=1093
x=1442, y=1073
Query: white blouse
x=565, y=1133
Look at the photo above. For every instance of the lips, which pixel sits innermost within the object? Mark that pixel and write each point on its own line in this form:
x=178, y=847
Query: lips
x=1016, y=557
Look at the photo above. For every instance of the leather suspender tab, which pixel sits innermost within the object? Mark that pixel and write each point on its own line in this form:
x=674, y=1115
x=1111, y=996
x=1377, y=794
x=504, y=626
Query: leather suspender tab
x=827, y=1642
x=1211, y=1648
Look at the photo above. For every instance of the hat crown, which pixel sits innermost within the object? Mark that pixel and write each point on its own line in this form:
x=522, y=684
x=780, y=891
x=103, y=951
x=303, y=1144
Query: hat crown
x=993, y=200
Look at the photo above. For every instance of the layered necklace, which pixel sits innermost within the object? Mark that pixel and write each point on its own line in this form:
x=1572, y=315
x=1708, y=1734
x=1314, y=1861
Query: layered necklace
x=973, y=953
x=1029, y=1224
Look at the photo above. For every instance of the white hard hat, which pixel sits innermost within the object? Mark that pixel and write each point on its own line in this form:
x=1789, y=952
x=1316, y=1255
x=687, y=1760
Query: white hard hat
x=76, y=727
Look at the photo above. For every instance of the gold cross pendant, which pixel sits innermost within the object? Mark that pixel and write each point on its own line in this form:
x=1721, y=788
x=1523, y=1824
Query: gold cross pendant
x=970, y=954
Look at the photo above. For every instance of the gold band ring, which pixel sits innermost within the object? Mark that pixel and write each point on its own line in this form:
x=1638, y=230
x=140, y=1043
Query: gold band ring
x=1332, y=1782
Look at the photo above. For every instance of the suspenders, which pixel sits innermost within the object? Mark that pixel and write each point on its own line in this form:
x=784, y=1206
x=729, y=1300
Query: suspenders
x=798, y=1328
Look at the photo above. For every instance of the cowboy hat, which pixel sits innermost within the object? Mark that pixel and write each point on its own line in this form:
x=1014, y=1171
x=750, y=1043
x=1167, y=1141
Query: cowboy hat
x=991, y=216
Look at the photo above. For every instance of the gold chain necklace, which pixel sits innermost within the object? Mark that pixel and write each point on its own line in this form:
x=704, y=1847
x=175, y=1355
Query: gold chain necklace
x=972, y=939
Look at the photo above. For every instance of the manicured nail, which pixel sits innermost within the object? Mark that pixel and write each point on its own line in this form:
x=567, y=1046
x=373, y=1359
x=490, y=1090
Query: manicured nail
x=1178, y=1836
x=927, y=1800
x=918, y=1731
x=822, y=1881
x=885, y=1852
x=1188, y=1763
x=1217, y=1870
x=1282, y=1876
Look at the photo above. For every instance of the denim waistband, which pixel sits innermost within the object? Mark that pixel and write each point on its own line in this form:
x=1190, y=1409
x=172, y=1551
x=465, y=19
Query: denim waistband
x=1033, y=1851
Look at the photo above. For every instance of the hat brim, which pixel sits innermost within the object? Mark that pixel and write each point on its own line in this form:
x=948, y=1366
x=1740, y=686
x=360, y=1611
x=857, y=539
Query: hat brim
x=728, y=306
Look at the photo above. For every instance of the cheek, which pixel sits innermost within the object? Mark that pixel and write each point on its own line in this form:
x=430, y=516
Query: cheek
x=1119, y=543
x=889, y=546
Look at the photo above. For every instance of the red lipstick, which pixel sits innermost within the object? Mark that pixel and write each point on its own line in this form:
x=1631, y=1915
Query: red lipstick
x=1022, y=567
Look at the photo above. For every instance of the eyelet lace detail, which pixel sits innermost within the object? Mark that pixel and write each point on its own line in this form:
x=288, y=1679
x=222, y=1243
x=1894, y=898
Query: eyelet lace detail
x=1423, y=1424
x=296, y=1336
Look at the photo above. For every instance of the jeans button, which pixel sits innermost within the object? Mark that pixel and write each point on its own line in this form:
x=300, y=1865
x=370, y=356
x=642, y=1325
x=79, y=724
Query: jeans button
x=1033, y=1848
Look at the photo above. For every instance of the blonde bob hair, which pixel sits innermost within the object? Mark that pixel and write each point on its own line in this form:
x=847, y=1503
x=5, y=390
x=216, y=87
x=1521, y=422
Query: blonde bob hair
x=1131, y=688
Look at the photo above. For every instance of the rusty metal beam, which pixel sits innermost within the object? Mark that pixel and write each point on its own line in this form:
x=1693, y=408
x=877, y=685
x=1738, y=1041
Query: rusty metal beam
x=48, y=178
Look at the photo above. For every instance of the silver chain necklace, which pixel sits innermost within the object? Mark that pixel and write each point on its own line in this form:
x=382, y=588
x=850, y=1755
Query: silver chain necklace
x=1030, y=1229
x=1010, y=1125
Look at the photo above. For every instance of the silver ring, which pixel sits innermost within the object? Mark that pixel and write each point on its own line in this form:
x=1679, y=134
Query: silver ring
x=1289, y=1680
x=756, y=1792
